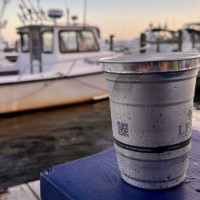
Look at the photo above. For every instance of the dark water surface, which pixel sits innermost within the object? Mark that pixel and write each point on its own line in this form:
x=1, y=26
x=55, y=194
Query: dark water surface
x=33, y=142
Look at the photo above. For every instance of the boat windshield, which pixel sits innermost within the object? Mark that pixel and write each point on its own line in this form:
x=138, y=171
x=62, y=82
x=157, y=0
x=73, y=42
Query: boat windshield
x=77, y=41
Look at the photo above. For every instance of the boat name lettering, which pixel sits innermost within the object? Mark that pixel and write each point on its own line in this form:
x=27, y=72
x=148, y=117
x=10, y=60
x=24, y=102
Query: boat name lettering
x=91, y=62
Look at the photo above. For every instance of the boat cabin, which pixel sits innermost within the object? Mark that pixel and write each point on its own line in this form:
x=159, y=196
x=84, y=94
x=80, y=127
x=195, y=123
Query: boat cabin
x=46, y=48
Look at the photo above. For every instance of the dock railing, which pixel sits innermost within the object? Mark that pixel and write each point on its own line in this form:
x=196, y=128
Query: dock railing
x=158, y=41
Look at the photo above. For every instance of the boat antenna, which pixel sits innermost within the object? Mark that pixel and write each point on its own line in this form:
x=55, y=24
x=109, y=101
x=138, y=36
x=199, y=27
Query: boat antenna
x=67, y=13
x=68, y=16
x=84, y=12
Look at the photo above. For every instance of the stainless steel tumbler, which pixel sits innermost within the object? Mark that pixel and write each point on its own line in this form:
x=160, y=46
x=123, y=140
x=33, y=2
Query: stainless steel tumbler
x=151, y=99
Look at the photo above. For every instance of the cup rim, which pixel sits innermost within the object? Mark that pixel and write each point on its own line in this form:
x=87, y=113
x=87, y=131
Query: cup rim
x=151, y=57
x=151, y=63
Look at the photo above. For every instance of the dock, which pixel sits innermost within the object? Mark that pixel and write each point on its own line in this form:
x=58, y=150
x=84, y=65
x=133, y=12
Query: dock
x=26, y=191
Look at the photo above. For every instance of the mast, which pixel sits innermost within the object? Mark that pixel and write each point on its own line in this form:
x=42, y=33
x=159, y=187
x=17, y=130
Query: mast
x=68, y=16
x=84, y=12
x=39, y=11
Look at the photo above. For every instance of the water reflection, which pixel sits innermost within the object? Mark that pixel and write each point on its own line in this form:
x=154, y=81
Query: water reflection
x=32, y=142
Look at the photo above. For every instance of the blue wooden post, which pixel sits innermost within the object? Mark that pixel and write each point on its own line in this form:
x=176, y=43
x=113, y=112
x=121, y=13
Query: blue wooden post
x=97, y=177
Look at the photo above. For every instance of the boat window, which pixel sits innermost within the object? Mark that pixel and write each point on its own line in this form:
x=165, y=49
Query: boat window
x=77, y=41
x=86, y=41
x=47, y=41
x=24, y=42
x=68, y=41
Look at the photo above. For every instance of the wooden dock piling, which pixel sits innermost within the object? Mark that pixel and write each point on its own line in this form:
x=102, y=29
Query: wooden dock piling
x=142, y=42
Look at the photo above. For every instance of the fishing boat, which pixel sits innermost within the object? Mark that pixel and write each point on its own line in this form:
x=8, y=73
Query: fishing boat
x=57, y=65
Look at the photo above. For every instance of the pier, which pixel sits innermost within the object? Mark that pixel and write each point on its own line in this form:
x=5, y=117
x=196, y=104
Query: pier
x=26, y=191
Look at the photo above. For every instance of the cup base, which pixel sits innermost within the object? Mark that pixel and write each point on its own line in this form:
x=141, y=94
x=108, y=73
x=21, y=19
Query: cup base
x=153, y=185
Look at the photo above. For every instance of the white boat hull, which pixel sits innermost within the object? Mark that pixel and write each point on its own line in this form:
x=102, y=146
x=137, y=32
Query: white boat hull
x=36, y=94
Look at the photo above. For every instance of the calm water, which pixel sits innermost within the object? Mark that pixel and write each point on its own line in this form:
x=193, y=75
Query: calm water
x=33, y=142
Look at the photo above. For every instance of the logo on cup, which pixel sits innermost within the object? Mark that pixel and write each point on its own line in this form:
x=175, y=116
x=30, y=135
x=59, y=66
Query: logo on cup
x=122, y=129
x=184, y=129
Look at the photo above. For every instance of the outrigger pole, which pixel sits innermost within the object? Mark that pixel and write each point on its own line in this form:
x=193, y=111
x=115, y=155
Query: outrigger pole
x=3, y=9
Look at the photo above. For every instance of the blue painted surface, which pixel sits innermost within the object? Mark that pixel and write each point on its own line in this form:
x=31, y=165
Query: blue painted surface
x=97, y=177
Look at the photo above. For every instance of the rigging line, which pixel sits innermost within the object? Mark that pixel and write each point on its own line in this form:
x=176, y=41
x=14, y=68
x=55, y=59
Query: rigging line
x=71, y=60
x=58, y=62
x=71, y=67
x=46, y=84
x=22, y=73
x=27, y=66
x=89, y=85
x=84, y=83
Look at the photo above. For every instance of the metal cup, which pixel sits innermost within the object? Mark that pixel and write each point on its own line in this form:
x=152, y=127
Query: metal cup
x=151, y=99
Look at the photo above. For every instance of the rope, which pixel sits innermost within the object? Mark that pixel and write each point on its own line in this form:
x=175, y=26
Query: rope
x=89, y=85
x=79, y=81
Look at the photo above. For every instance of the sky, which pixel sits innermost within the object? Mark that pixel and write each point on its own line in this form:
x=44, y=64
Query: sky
x=126, y=19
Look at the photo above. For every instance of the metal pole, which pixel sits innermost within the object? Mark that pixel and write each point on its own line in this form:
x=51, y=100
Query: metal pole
x=193, y=39
x=111, y=42
x=157, y=46
x=39, y=15
x=179, y=40
x=84, y=12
